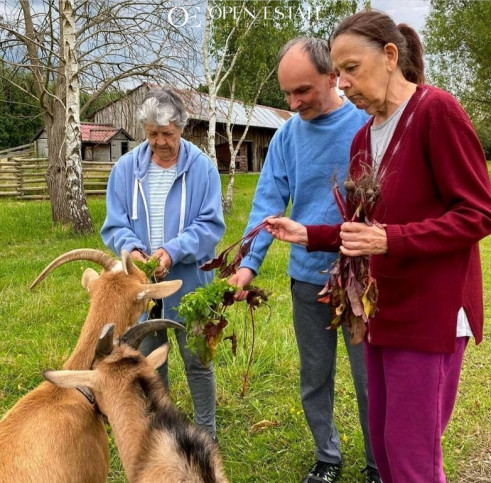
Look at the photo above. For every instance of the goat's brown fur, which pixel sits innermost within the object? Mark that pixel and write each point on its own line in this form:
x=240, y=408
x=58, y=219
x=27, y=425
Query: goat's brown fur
x=54, y=435
x=156, y=443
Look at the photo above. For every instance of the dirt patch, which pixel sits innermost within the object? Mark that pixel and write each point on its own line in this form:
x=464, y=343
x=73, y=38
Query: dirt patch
x=477, y=469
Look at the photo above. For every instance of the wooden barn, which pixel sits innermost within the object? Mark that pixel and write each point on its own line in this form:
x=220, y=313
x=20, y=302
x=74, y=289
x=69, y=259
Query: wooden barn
x=100, y=142
x=264, y=122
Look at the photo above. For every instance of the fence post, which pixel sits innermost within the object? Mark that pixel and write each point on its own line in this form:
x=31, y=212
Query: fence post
x=19, y=181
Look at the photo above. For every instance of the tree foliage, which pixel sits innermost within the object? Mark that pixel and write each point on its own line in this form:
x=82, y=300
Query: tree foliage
x=240, y=48
x=276, y=22
x=457, y=38
x=21, y=116
x=257, y=46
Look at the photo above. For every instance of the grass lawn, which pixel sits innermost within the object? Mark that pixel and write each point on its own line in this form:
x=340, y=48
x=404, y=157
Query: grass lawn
x=40, y=328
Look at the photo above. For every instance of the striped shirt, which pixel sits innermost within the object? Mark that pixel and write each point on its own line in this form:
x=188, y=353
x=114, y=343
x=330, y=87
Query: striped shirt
x=160, y=181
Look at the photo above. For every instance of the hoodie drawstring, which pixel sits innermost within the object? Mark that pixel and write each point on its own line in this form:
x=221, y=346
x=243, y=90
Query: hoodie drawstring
x=183, y=204
x=134, y=215
x=182, y=215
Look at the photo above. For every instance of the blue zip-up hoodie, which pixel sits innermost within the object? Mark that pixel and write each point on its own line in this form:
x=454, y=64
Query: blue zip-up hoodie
x=304, y=158
x=193, y=217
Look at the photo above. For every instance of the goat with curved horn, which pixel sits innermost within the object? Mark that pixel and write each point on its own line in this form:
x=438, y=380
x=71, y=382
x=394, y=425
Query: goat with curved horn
x=154, y=440
x=41, y=427
x=106, y=261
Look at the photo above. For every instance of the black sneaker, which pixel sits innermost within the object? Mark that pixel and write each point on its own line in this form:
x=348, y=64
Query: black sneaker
x=324, y=472
x=372, y=475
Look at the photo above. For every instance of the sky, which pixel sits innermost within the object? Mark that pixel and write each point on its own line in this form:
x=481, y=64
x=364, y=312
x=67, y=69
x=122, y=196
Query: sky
x=412, y=12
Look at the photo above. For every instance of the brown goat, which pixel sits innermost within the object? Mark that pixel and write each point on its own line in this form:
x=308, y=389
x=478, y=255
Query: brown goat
x=55, y=435
x=156, y=443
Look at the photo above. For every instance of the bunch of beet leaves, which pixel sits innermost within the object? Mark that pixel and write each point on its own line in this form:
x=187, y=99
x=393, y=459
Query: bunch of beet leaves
x=350, y=289
x=205, y=310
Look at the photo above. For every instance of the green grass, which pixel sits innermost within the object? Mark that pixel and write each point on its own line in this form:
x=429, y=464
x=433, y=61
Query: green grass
x=40, y=328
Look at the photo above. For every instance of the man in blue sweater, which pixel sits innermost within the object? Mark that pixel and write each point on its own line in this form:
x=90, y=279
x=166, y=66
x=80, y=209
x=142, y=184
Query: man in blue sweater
x=305, y=155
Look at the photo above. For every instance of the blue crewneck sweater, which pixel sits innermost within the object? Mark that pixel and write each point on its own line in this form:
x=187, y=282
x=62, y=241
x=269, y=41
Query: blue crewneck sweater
x=304, y=159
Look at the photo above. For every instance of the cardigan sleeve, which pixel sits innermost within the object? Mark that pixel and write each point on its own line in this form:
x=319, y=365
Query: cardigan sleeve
x=323, y=238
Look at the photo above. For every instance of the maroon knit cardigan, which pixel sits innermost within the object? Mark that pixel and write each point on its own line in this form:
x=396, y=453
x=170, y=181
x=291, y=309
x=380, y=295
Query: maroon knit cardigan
x=436, y=203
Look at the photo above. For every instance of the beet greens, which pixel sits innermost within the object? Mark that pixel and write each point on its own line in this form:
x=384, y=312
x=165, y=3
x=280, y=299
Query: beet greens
x=221, y=261
x=204, y=310
x=350, y=289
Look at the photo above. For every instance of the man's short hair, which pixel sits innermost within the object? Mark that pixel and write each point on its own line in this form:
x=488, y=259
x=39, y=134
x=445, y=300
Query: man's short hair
x=317, y=49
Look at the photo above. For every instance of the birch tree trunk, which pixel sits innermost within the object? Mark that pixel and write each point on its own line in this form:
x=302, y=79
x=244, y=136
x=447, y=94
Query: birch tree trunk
x=78, y=212
x=56, y=172
x=228, y=199
x=215, y=79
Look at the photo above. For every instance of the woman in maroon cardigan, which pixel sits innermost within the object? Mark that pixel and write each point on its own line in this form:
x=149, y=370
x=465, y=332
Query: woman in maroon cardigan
x=435, y=206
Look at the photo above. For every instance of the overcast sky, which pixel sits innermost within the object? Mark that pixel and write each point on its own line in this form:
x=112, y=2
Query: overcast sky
x=412, y=12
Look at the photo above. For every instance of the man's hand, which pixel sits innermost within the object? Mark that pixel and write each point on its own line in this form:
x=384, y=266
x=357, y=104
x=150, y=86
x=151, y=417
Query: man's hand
x=285, y=229
x=242, y=278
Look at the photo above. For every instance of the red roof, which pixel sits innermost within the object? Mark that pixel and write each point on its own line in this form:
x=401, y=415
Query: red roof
x=97, y=133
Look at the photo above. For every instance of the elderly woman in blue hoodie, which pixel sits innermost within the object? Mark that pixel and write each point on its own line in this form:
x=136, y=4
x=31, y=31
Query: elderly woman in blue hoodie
x=164, y=200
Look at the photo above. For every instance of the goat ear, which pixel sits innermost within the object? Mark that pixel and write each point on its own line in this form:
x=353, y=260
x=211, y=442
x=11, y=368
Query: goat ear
x=72, y=379
x=160, y=290
x=158, y=356
x=89, y=275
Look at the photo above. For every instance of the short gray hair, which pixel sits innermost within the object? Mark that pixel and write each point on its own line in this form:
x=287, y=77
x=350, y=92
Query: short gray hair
x=162, y=106
x=317, y=49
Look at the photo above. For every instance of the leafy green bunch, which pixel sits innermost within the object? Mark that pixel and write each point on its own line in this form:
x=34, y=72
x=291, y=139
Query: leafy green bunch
x=149, y=266
x=204, y=309
x=204, y=314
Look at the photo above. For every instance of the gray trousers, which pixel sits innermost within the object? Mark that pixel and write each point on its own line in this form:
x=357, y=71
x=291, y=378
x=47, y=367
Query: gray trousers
x=201, y=380
x=317, y=350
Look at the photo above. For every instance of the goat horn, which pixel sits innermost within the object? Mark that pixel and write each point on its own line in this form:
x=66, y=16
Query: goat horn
x=128, y=265
x=105, y=343
x=97, y=256
x=134, y=336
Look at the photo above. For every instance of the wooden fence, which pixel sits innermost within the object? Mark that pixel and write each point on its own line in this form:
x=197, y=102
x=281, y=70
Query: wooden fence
x=23, y=175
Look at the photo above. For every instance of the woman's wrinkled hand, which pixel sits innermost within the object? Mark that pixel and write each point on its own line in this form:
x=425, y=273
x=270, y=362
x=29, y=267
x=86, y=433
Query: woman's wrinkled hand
x=360, y=239
x=165, y=263
x=136, y=254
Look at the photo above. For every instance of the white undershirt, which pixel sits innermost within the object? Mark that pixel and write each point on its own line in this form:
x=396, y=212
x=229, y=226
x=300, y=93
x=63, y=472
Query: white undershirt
x=382, y=134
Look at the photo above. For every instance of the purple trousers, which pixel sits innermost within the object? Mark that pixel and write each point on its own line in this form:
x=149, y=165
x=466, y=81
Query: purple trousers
x=411, y=396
